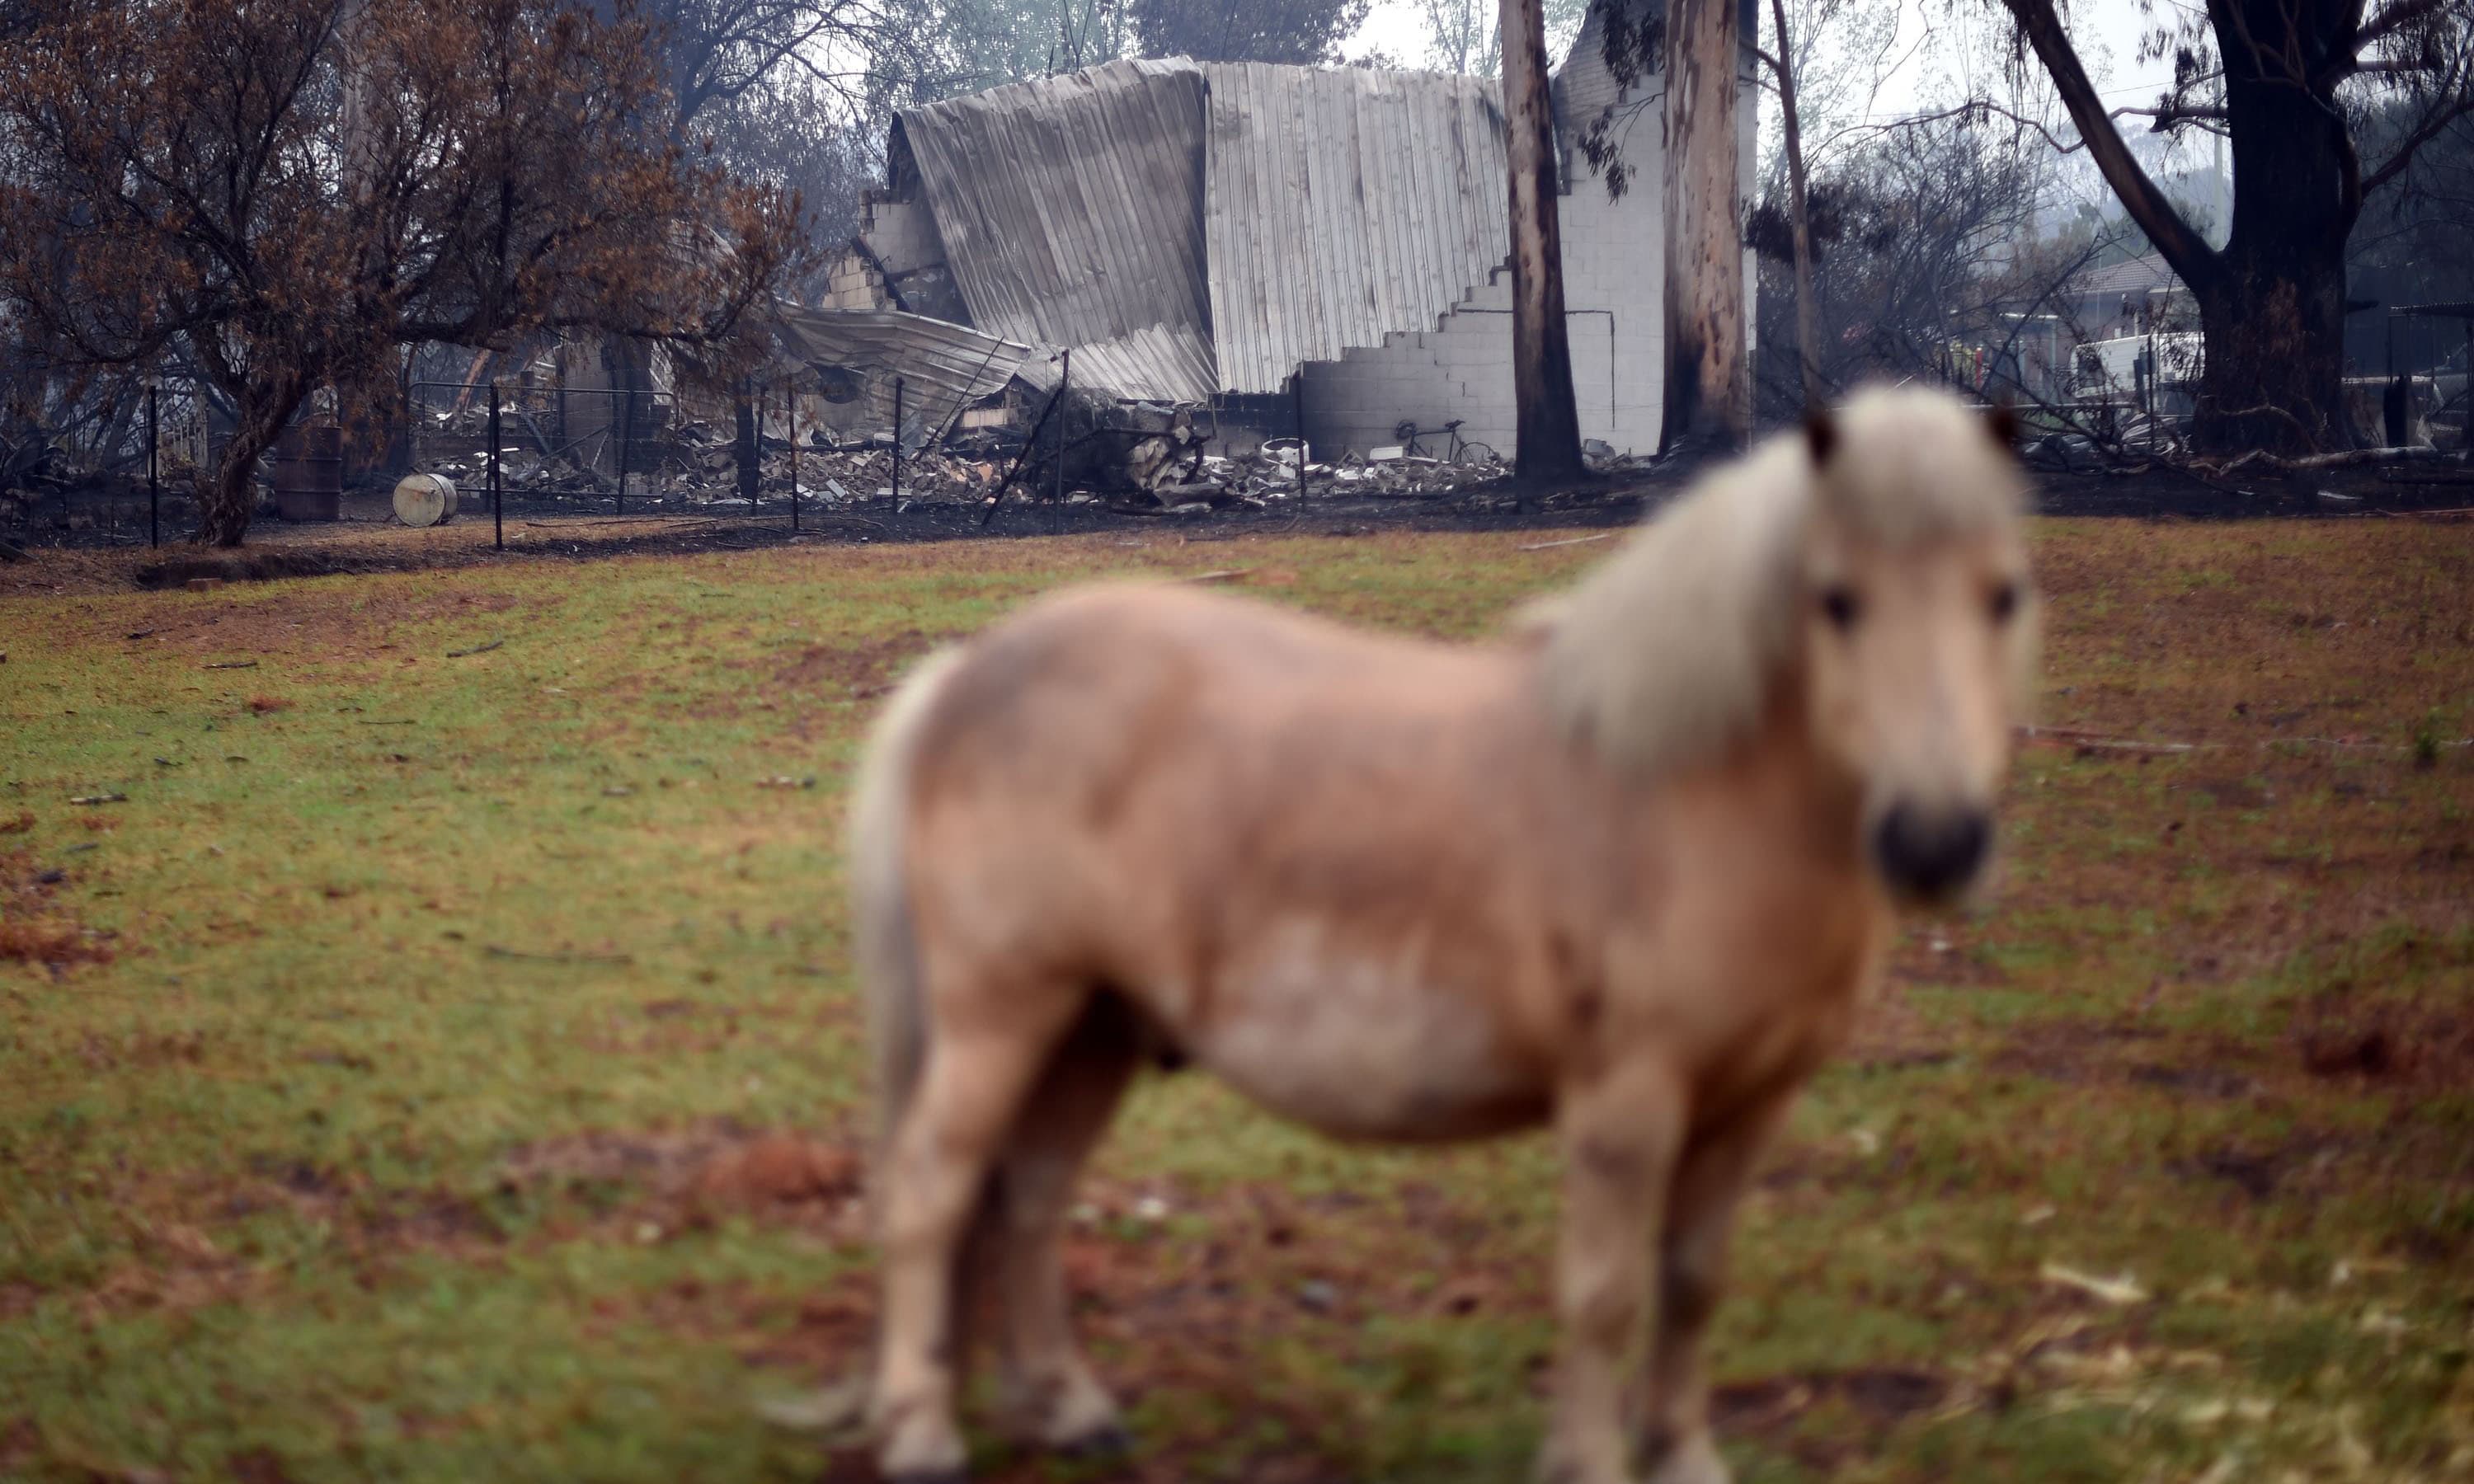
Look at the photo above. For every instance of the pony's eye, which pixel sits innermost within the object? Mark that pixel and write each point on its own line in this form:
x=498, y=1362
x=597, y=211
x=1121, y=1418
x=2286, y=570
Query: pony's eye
x=2004, y=602
x=1839, y=605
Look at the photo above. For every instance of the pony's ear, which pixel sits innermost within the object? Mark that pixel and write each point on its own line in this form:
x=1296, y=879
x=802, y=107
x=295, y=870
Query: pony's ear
x=1820, y=435
x=2002, y=422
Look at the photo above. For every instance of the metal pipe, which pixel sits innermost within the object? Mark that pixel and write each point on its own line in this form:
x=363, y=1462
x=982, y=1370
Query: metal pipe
x=790, y=412
x=154, y=491
x=498, y=516
x=897, y=443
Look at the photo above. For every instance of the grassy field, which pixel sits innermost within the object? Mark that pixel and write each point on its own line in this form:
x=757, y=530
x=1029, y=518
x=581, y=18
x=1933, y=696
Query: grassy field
x=436, y=1059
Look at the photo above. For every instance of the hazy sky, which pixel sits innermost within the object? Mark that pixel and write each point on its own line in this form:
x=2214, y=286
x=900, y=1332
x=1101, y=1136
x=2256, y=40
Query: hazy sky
x=2106, y=31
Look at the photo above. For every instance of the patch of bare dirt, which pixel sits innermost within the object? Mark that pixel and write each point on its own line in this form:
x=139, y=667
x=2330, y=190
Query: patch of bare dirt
x=2419, y=1044
x=33, y=928
x=862, y=668
x=687, y=1179
x=1870, y=1401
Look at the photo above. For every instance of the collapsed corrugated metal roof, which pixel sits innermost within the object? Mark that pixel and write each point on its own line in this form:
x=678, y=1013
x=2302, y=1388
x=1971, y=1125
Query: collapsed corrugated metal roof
x=1071, y=207
x=1185, y=226
x=944, y=366
x=1344, y=204
x=1159, y=364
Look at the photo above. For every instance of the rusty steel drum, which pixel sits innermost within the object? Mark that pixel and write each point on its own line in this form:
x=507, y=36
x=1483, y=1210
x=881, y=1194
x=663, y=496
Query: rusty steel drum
x=425, y=499
x=309, y=473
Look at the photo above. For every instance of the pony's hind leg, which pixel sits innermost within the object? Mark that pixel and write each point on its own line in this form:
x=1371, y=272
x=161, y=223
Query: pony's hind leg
x=978, y=1072
x=1054, y=1390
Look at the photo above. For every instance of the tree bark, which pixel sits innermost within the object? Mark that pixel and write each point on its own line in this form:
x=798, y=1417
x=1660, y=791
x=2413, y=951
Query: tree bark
x=1808, y=352
x=2272, y=300
x=1708, y=382
x=1547, y=418
x=225, y=502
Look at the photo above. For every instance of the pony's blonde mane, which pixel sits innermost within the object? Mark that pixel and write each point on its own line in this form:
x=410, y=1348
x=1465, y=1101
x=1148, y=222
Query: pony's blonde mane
x=1668, y=652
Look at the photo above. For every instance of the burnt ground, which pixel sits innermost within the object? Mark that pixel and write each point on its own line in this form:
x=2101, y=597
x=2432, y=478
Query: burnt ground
x=109, y=539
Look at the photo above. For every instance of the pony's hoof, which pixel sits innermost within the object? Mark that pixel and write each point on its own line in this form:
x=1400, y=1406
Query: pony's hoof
x=917, y=1451
x=1690, y=1460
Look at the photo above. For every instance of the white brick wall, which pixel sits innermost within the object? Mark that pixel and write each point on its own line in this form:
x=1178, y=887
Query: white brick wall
x=1613, y=300
x=901, y=234
x=1615, y=255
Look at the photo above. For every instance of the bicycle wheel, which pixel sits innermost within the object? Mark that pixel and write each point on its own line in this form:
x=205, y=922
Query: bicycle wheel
x=1475, y=453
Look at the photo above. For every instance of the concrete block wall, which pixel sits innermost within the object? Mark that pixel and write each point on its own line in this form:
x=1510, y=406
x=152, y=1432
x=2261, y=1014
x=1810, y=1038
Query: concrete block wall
x=853, y=282
x=901, y=233
x=1614, y=311
x=1461, y=370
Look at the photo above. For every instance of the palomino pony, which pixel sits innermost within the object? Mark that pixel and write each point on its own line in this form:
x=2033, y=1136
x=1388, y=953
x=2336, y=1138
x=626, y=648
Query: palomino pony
x=1628, y=872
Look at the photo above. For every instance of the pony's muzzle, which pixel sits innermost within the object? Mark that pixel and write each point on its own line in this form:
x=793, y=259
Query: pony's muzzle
x=1930, y=854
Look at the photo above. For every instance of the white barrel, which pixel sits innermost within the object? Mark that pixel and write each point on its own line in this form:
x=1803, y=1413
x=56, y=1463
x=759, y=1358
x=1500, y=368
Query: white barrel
x=425, y=499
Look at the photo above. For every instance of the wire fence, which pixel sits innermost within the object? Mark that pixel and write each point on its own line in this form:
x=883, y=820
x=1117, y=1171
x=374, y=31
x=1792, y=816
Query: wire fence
x=508, y=450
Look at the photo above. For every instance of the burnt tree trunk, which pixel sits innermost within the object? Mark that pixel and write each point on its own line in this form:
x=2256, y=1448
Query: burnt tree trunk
x=2272, y=300
x=1709, y=385
x=1548, y=417
x=1808, y=349
x=747, y=449
x=225, y=501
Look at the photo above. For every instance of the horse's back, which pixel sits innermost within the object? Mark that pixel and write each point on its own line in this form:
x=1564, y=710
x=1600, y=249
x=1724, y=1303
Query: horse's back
x=1094, y=678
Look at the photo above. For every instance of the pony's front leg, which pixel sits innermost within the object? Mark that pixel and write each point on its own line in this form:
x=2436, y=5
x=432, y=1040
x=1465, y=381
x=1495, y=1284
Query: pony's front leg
x=1709, y=1183
x=1619, y=1134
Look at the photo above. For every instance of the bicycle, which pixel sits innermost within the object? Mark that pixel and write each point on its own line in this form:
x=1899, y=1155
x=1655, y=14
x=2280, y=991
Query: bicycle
x=1460, y=450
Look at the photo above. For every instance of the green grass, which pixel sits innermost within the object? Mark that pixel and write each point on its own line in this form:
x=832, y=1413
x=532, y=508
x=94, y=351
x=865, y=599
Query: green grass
x=367, y=1126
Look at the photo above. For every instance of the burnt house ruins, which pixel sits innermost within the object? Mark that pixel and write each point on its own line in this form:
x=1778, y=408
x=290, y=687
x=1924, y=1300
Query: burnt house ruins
x=1272, y=242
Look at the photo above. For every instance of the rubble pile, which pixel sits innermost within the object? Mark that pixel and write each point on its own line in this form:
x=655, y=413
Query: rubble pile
x=1137, y=457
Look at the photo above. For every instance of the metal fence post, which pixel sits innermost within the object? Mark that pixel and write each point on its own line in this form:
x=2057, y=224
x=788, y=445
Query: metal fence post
x=1302, y=457
x=1064, y=381
x=498, y=516
x=154, y=488
x=897, y=443
x=626, y=436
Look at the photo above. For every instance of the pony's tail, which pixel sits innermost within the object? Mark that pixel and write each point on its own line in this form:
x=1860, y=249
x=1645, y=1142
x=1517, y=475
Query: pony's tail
x=886, y=946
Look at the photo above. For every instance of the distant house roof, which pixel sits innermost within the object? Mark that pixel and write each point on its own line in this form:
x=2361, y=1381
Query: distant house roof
x=1189, y=229
x=2146, y=273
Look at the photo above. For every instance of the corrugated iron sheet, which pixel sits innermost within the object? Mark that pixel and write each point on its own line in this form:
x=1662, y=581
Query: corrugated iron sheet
x=1072, y=206
x=944, y=366
x=1160, y=364
x=1343, y=205
x=1191, y=229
